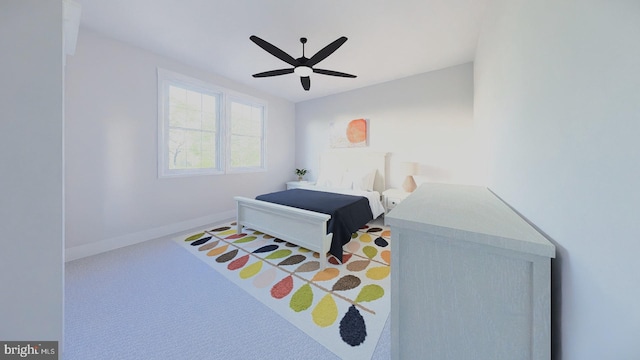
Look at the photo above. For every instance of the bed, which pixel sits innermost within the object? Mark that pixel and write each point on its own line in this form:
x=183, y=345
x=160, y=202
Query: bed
x=321, y=217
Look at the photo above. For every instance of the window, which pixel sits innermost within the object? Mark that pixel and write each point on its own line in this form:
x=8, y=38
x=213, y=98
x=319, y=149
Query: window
x=191, y=128
x=246, y=136
x=204, y=129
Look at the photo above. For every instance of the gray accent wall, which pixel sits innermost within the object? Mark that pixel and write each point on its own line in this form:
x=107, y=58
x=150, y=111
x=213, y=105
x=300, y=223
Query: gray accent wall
x=557, y=100
x=426, y=119
x=32, y=177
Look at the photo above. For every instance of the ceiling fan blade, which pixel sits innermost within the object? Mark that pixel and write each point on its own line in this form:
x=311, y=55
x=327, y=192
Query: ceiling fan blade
x=271, y=49
x=333, y=73
x=273, y=73
x=306, y=82
x=326, y=51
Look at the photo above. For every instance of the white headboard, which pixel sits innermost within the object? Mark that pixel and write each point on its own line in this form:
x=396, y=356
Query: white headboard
x=339, y=161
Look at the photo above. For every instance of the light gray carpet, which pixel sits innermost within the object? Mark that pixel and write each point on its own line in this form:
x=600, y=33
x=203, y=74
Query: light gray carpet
x=156, y=301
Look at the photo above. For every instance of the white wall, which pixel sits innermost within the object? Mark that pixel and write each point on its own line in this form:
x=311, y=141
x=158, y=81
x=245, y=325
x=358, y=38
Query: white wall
x=31, y=155
x=113, y=194
x=557, y=95
x=426, y=119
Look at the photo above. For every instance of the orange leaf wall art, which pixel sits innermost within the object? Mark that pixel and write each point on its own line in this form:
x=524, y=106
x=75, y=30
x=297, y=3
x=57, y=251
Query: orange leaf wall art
x=351, y=133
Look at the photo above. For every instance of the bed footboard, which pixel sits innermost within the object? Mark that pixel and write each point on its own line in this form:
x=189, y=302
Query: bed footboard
x=305, y=228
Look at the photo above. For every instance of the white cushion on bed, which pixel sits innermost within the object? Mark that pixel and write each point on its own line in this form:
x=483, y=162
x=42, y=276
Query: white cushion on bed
x=356, y=178
x=359, y=179
x=328, y=179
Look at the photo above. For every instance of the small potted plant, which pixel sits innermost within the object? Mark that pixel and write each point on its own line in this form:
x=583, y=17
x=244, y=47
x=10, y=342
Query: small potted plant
x=300, y=173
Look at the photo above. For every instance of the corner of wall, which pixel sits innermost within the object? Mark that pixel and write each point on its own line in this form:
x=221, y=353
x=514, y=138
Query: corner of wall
x=82, y=251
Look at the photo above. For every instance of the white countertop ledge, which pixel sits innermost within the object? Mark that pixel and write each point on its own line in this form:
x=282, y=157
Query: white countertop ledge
x=468, y=213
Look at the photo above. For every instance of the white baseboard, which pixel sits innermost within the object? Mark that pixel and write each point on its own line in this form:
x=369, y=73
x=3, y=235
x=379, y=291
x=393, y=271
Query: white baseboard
x=78, y=252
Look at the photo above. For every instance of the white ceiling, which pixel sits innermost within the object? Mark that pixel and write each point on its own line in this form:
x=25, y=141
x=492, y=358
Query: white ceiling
x=387, y=39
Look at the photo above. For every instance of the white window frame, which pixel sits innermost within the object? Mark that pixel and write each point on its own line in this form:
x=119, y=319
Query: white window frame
x=223, y=125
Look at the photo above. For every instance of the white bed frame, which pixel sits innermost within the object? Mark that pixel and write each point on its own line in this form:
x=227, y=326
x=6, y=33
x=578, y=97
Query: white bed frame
x=305, y=228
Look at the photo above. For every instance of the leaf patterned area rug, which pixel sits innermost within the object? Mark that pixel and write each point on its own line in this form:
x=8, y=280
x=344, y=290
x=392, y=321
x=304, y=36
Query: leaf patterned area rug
x=344, y=307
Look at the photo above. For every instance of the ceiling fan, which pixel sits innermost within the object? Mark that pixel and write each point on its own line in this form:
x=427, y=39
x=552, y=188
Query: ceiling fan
x=302, y=66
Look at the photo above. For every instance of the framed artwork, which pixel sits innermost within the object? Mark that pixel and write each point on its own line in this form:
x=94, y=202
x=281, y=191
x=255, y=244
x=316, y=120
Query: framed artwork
x=349, y=133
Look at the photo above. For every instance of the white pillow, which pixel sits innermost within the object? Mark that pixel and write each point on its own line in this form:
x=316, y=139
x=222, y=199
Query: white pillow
x=327, y=179
x=359, y=179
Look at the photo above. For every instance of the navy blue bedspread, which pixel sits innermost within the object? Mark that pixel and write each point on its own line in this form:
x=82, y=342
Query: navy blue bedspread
x=348, y=213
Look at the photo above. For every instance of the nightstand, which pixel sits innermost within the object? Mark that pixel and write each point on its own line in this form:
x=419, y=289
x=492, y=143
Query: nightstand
x=297, y=184
x=393, y=197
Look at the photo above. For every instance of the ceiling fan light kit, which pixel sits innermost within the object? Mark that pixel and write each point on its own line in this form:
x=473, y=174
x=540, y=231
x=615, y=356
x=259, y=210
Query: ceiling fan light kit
x=303, y=70
x=302, y=66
